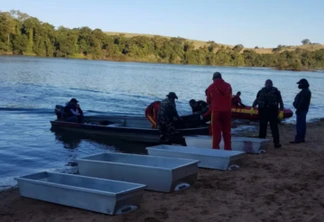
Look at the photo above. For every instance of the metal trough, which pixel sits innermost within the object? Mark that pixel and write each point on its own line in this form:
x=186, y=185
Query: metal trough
x=209, y=158
x=246, y=144
x=94, y=194
x=158, y=173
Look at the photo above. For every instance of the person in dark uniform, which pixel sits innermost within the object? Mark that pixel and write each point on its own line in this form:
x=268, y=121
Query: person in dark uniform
x=301, y=104
x=198, y=107
x=267, y=100
x=168, y=118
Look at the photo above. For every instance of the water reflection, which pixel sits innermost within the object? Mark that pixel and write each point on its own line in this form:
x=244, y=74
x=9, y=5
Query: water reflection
x=72, y=140
x=69, y=141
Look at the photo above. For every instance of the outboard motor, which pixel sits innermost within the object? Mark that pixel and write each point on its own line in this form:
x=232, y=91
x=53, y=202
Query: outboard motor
x=59, y=111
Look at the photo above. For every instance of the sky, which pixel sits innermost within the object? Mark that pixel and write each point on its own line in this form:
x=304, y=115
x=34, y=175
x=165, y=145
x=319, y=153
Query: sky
x=262, y=23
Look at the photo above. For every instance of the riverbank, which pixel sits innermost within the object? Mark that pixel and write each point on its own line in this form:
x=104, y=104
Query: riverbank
x=124, y=58
x=282, y=185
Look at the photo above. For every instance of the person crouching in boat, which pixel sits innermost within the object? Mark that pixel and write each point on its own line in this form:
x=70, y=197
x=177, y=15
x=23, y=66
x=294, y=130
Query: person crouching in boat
x=73, y=112
x=219, y=97
x=198, y=107
x=236, y=100
x=268, y=99
x=151, y=113
x=168, y=118
x=202, y=109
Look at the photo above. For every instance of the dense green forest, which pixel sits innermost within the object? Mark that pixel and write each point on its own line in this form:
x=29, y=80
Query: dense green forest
x=21, y=34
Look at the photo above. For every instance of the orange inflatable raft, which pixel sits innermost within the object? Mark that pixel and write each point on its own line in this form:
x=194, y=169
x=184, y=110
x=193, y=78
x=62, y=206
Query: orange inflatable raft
x=244, y=113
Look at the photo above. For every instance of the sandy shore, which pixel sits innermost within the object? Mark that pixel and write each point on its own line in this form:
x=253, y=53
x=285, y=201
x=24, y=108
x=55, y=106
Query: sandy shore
x=284, y=184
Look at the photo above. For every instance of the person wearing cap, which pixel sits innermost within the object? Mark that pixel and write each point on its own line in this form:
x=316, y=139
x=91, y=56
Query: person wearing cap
x=236, y=100
x=167, y=117
x=151, y=113
x=267, y=100
x=73, y=112
x=219, y=98
x=301, y=104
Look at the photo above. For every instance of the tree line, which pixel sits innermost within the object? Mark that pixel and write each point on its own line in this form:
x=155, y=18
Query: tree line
x=21, y=34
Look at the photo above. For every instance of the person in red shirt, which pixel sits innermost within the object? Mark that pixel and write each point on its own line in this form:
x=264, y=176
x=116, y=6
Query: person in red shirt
x=219, y=97
x=151, y=113
x=236, y=100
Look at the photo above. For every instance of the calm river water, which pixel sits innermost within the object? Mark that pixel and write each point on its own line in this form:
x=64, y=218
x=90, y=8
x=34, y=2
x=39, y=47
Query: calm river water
x=30, y=87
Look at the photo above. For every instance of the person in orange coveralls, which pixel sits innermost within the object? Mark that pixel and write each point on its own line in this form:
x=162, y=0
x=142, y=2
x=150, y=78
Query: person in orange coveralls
x=151, y=113
x=219, y=97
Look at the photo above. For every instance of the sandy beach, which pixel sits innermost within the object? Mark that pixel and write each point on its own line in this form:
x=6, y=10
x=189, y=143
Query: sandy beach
x=284, y=184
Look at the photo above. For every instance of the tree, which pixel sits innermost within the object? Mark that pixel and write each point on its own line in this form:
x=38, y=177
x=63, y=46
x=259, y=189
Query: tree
x=212, y=46
x=19, y=44
x=19, y=15
x=29, y=27
x=188, y=46
x=7, y=29
x=305, y=41
x=238, y=48
x=25, y=35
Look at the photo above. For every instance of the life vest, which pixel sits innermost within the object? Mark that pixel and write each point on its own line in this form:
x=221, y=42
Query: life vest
x=153, y=109
x=268, y=97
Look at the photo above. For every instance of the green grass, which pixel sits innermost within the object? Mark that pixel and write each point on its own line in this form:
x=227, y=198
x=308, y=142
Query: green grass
x=197, y=43
x=77, y=56
x=29, y=54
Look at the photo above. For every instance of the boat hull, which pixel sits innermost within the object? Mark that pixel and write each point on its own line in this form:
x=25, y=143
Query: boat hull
x=135, y=129
x=159, y=174
x=209, y=158
x=88, y=193
x=245, y=144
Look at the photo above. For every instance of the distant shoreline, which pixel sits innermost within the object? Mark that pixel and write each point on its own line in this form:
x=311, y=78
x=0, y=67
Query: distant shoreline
x=26, y=35
x=140, y=61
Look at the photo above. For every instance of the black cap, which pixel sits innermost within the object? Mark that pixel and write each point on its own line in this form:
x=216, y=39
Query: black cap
x=172, y=95
x=217, y=75
x=74, y=100
x=268, y=82
x=302, y=81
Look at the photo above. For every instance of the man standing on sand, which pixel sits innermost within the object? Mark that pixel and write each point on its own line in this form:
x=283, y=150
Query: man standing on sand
x=268, y=99
x=301, y=104
x=219, y=98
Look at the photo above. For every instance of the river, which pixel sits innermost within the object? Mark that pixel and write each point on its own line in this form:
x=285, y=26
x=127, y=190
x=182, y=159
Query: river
x=32, y=86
